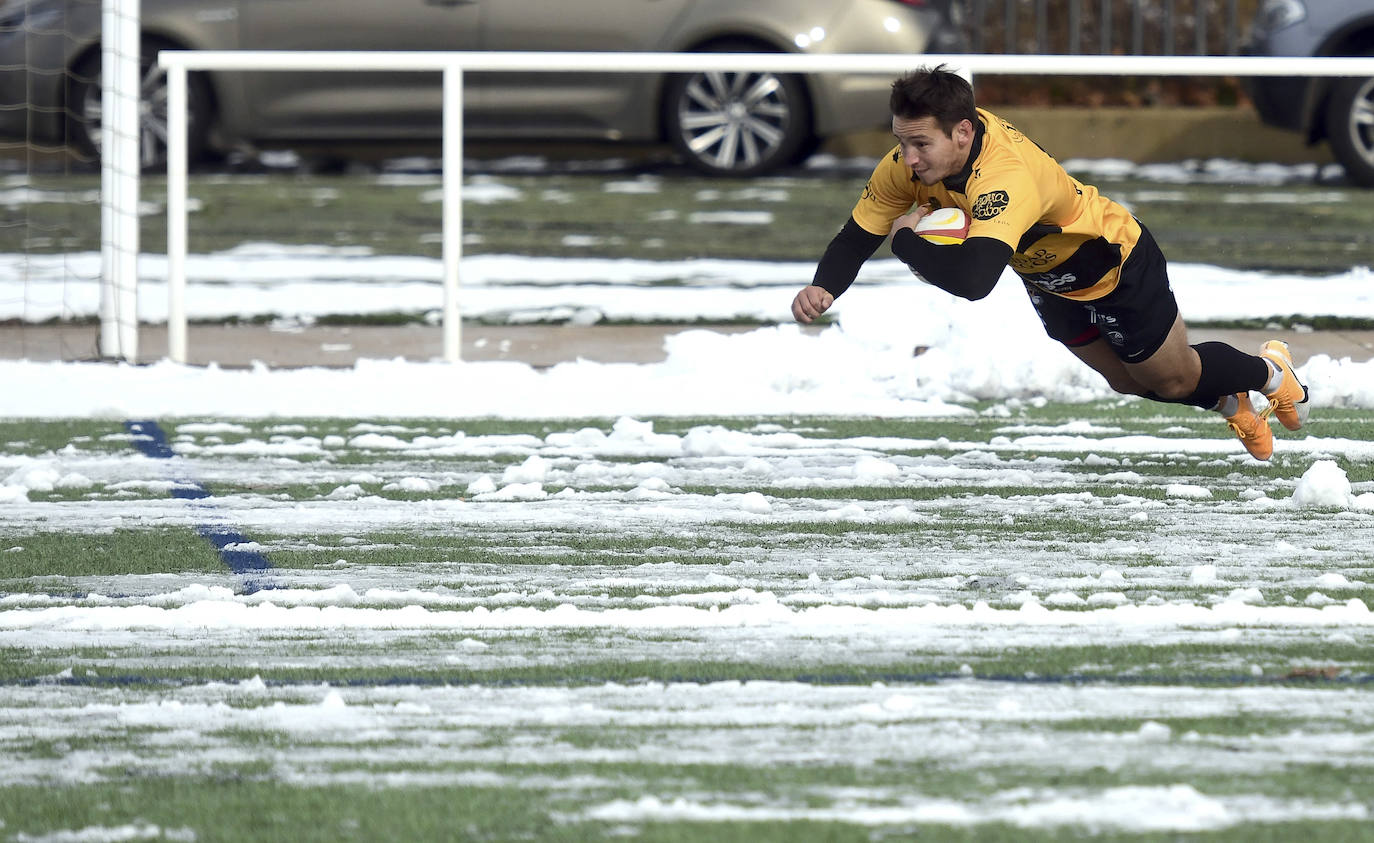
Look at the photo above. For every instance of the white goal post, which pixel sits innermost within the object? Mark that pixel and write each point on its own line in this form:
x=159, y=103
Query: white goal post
x=453, y=64
x=119, y=174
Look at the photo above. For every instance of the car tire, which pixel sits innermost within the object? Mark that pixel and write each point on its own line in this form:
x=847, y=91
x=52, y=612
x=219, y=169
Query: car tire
x=1350, y=127
x=85, y=107
x=737, y=123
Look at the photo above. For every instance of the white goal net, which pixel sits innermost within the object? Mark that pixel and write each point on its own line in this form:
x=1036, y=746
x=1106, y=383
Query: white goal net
x=68, y=229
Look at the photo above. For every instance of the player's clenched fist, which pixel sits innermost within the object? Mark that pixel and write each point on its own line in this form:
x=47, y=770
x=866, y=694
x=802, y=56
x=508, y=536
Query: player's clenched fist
x=811, y=302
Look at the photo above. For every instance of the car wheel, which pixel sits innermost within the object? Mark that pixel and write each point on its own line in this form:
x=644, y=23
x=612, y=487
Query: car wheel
x=1350, y=128
x=85, y=107
x=737, y=124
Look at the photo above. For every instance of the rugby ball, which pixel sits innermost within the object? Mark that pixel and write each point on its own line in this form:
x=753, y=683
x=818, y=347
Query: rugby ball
x=944, y=225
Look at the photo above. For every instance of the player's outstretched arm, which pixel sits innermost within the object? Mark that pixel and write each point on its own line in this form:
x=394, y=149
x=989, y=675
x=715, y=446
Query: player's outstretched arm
x=810, y=303
x=836, y=270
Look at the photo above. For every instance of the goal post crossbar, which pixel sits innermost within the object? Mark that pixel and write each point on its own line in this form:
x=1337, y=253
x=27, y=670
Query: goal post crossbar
x=452, y=65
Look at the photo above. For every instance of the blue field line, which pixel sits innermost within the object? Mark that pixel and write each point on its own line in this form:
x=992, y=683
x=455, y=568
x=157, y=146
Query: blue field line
x=820, y=680
x=150, y=440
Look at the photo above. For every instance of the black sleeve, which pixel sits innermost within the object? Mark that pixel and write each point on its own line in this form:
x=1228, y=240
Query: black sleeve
x=969, y=270
x=846, y=253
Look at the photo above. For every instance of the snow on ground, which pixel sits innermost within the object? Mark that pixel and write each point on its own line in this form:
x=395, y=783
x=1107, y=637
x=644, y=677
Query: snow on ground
x=257, y=279
x=988, y=350
x=955, y=727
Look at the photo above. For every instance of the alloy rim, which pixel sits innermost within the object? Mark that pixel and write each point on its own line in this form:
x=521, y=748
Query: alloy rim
x=734, y=121
x=152, y=115
x=1362, y=121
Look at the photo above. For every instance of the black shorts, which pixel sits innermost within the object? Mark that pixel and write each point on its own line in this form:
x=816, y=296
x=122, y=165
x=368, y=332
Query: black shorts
x=1134, y=319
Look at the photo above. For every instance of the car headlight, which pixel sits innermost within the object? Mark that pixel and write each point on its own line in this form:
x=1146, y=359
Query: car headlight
x=1279, y=14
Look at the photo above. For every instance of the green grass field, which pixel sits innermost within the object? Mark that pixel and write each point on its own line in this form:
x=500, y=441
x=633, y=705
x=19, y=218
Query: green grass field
x=1090, y=620
x=1299, y=227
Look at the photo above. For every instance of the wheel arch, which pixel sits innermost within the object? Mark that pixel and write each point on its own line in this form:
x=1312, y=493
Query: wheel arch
x=163, y=40
x=1355, y=38
x=737, y=41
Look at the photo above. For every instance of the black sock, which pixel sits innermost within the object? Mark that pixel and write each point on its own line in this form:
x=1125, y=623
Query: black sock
x=1226, y=370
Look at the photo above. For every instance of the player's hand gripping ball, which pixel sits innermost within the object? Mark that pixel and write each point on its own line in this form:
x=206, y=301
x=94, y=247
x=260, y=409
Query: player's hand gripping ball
x=944, y=225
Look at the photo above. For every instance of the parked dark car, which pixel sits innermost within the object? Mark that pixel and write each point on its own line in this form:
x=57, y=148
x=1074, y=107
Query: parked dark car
x=1338, y=110
x=731, y=123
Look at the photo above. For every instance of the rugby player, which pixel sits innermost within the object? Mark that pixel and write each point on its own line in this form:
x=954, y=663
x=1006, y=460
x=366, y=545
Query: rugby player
x=1093, y=272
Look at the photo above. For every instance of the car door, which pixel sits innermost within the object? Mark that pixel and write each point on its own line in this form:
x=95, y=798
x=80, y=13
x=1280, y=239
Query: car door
x=352, y=104
x=609, y=105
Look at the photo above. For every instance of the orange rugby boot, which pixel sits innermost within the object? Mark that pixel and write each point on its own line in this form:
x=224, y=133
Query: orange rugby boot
x=1288, y=401
x=1252, y=429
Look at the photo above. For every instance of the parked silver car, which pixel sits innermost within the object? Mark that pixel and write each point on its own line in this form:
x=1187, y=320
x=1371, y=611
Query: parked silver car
x=723, y=123
x=1341, y=111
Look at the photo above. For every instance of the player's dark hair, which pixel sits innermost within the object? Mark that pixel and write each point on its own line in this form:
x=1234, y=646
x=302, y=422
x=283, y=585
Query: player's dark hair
x=933, y=92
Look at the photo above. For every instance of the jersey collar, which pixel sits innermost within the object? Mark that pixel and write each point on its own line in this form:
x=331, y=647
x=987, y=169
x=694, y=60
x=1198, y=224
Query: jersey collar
x=957, y=182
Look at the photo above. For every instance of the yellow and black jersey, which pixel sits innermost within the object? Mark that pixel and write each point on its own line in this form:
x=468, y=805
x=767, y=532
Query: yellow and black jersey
x=1066, y=238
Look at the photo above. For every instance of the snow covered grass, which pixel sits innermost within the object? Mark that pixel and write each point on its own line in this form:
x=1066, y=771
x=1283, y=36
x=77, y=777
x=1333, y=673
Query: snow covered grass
x=1013, y=621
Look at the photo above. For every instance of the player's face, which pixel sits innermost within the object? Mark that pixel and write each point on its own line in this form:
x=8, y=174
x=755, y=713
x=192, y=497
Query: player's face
x=930, y=153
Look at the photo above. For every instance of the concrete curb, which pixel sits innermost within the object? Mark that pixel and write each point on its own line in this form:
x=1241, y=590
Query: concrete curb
x=1145, y=135
x=337, y=346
